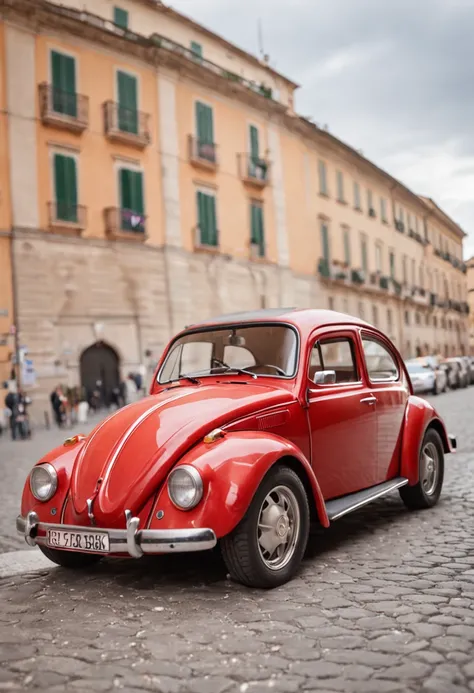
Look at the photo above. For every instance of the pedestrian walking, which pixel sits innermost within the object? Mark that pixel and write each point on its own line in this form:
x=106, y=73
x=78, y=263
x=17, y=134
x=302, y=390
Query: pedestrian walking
x=58, y=403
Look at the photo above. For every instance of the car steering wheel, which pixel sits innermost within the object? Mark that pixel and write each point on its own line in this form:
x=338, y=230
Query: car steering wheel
x=266, y=365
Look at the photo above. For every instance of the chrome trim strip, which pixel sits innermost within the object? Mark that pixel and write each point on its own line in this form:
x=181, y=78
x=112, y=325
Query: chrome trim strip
x=130, y=540
x=365, y=499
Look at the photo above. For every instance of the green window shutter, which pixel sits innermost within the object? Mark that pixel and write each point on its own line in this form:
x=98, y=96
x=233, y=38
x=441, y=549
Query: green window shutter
x=254, y=143
x=257, y=233
x=325, y=242
x=323, y=188
x=63, y=71
x=65, y=184
x=347, y=247
x=204, y=123
x=121, y=17
x=127, y=103
x=131, y=200
x=364, y=255
x=207, y=219
x=196, y=50
x=356, y=195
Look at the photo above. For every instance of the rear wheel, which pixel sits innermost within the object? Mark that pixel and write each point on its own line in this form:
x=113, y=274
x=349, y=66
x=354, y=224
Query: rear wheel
x=426, y=492
x=266, y=547
x=70, y=559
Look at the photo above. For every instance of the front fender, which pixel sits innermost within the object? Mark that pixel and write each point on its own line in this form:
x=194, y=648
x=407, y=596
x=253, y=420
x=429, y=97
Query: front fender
x=232, y=469
x=419, y=415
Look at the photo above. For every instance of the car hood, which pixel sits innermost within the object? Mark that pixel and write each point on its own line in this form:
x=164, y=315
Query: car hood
x=129, y=454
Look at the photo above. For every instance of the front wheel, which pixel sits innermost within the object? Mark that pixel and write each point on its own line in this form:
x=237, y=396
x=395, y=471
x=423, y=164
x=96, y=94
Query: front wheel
x=426, y=492
x=266, y=547
x=70, y=559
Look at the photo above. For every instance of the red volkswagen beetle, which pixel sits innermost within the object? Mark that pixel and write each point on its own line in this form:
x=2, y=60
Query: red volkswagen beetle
x=257, y=425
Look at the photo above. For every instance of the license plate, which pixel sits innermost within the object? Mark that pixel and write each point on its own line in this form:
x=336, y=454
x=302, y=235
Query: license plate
x=96, y=542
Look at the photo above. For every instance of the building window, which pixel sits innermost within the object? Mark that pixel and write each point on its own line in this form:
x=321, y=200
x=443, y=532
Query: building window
x=413, y=273
x=207, y=219
x=345, y=306
x=65, y=187
x=63, y=71
x=378, y=257
x=383, y=209
x=405, y=269
x=363, y=254
x=375, y=315
x=357, y=196
x=131, y=200
x=370, y=207
x=435, y=321
x=417, y=318
x=121, y=17
x=392, y=264
x=427, y=319
x=331, y=303
x=389, y=319
x=422, y=277
x=407, y=317
x=257, y=233
x=346, y=240
x=325, y=242
x=323, y=180
x=409, y=221
x=401, y=215
x=127, y=102
x=361, y=310
x=205, y=132
x=257, y=166
x=340, y=186
x=196, y=50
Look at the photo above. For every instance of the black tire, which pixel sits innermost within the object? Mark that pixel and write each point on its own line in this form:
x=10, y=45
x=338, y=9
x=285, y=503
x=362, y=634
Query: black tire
x=70, y=559
x=423, y=494
x=241, y=550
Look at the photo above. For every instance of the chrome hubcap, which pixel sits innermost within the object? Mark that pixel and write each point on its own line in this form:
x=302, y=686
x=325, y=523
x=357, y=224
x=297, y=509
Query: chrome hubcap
x=278, y=527
x=429, y=468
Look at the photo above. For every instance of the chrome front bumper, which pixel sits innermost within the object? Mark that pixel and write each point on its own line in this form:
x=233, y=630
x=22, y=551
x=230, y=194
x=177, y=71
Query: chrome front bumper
x=131, y=540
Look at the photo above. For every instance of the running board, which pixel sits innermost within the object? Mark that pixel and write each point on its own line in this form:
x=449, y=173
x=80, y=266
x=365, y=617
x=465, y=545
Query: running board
x=347, y=504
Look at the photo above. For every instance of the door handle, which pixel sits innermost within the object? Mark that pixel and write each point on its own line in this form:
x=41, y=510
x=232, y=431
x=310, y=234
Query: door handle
x=369, y=400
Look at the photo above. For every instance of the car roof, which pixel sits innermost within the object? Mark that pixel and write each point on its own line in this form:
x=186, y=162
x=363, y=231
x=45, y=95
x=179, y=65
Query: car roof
x=304, y=318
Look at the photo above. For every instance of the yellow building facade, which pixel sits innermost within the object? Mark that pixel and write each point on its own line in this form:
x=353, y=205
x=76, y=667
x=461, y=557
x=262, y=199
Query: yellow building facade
x=153, y=174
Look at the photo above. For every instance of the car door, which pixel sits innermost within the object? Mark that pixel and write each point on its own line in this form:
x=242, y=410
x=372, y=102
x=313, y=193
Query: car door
x=389, y=386
x=341, y=416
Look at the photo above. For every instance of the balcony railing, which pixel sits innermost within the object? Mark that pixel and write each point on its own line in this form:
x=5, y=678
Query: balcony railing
x=63, y=109
x=67, y=216
x=124, y=222
x=126, y=125
x=203, y=154
x=254, y=170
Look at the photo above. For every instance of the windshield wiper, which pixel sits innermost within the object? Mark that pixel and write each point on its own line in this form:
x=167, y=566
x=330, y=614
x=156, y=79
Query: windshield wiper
x=192, y=380
x=221, y=364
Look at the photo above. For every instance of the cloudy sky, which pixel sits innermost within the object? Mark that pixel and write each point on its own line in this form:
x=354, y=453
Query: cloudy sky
x=394, y=78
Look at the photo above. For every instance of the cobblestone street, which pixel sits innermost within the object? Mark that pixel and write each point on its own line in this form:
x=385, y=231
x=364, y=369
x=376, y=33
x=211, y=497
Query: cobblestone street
x=384, y=603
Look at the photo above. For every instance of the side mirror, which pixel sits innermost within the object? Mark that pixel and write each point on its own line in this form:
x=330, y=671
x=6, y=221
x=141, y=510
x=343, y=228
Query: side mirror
x=325, y=377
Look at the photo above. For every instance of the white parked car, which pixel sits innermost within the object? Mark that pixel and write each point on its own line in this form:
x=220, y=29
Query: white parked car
x=426, y=379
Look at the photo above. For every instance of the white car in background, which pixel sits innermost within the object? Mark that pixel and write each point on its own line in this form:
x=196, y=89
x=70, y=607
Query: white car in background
x=426, y=379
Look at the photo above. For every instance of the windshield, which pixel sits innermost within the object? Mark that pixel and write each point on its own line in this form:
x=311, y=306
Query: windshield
x=269, y=350
x=415, y=368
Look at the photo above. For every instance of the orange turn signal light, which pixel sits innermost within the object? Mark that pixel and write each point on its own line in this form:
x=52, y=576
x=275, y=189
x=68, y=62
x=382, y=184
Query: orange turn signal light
x=74, y=440
x=214, y=435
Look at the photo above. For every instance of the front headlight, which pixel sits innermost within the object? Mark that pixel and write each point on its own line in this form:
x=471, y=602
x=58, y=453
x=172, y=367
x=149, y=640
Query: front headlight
x=185, y=487
x=43, y=482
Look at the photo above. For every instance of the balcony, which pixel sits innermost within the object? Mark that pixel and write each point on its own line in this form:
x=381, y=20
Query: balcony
x=67, y=218
x=125, y=223
x=126, y=125
x=254, y=171
x=63, y=109
x=202, y=154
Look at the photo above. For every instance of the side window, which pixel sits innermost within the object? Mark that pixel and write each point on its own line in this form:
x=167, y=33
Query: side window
x=238, y=357
x=381, y=365
x=334, y=355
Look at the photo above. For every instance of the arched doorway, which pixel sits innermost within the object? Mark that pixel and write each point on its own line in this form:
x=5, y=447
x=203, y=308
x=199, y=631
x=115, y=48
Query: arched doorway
x=100, y=362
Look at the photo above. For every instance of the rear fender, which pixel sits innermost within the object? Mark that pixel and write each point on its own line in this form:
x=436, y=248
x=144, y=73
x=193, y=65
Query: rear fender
x=419, y=416
x=232, y=469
